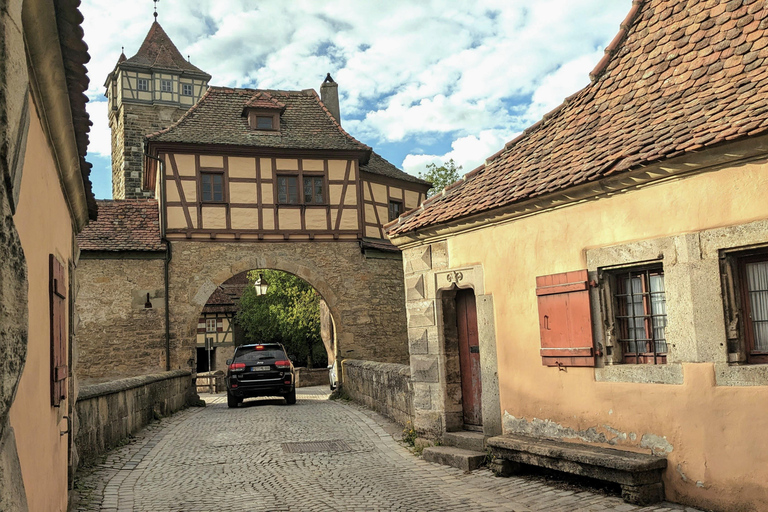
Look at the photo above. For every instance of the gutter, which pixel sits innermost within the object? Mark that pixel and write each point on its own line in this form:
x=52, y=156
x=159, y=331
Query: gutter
x=166, y=260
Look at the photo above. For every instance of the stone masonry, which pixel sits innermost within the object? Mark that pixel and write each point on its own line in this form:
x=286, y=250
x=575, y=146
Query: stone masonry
x=14, y=121
x=118, y=336
x=129, y=124
x=364, y=295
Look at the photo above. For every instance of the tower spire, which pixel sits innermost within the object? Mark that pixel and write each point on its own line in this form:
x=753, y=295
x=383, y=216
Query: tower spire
x=155, y=13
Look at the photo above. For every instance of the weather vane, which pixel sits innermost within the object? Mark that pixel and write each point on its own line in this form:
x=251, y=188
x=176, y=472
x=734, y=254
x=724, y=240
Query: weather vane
x=155, y=8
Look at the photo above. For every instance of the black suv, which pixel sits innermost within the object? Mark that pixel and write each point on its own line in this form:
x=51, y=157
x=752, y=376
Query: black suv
x=260, y=370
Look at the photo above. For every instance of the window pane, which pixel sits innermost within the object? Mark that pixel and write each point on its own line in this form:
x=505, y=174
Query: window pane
x=293, y=189
x=264, y=122
x=318, y=190
x=307, y=190
x=207, y=192
x=757, y=286
x=659, y=312
x=282, y=190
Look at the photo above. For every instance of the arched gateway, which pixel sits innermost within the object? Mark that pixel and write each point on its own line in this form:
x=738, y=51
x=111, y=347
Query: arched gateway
x=245, y=179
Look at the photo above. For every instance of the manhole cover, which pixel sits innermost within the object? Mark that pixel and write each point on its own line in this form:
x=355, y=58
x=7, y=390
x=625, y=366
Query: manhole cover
x=316, y=446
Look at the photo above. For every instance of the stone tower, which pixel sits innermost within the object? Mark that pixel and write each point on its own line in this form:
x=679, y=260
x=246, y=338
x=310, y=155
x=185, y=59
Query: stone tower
x=147, y=93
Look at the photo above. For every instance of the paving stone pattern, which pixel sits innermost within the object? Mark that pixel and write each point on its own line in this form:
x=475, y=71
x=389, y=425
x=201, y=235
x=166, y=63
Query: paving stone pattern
x=216, y=458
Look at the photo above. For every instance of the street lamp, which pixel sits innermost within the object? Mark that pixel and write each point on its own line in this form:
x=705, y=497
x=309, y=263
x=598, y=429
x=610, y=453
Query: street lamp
x=261, y=285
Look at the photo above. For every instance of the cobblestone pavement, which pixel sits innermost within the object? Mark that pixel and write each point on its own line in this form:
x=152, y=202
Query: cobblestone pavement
x=216, y=458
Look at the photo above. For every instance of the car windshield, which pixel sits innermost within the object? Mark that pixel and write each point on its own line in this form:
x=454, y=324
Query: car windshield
x=250, y=355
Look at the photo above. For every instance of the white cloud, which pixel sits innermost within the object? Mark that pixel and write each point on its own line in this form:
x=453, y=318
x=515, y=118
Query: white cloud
x=100, y=135
x=407, y=71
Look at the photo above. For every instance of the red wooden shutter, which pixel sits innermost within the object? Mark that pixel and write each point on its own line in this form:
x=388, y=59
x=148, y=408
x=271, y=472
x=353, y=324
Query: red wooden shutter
x=58, y=303
x=565, y=321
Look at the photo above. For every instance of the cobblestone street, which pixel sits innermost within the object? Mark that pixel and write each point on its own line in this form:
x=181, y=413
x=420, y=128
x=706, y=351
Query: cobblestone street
x=248, y=459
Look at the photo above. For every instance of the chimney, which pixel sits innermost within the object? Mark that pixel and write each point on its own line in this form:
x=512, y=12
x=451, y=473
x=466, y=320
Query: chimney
x=329, y=94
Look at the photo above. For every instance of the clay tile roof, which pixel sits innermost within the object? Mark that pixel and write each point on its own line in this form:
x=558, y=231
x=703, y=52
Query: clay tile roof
x=74, y=52
x=158, y=51
x=264, y=100
x=679, y=77
x=124, y=225
x=217, y=118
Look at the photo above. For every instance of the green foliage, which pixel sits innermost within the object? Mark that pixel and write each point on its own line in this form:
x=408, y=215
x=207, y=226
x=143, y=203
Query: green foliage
x=409, y=434
x=441, y=176
x=289, y=314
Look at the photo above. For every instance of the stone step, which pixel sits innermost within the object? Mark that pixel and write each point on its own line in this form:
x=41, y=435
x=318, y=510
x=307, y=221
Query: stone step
x=466, y=440
x=466, y=460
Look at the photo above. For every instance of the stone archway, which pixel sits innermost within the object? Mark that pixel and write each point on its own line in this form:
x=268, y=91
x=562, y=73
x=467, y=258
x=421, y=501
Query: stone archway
x=364, y=295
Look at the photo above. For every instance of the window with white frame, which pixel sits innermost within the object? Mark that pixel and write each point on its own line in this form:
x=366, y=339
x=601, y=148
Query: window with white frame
x=210, y=325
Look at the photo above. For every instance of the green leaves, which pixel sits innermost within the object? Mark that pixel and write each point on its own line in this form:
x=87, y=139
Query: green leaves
x=289, y=314
x=440, y=177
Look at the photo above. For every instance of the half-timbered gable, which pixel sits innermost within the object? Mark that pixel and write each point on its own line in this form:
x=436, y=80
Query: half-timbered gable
x=246, y=164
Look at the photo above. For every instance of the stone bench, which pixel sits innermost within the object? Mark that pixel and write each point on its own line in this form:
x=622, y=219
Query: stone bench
x=638, y=474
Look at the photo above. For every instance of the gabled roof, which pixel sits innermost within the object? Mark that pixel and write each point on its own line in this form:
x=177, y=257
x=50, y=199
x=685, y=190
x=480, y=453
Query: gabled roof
x=217, y=119
x=680, y=77
x=158, y=51
x=123, y=225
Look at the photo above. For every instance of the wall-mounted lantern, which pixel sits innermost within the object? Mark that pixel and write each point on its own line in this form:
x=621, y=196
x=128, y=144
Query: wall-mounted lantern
x=261, y=285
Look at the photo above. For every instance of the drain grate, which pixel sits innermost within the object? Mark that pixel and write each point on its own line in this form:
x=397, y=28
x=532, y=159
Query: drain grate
x=336, y=445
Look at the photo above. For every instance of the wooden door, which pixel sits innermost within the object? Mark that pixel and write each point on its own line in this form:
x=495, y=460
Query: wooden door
x=469, y=357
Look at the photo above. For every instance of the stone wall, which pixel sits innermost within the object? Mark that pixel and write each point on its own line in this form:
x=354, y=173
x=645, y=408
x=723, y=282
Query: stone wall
x=118, y=336
x=365, y=296
x=108, y=413
x=384, y=387
x=130, y=123
x=306, y=377
x=14, y=120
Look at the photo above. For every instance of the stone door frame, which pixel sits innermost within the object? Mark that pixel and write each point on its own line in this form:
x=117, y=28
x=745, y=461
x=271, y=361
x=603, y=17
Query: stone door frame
x=431, y=285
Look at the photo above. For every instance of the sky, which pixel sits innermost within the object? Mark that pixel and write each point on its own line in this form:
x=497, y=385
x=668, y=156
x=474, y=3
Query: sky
x=419, y=81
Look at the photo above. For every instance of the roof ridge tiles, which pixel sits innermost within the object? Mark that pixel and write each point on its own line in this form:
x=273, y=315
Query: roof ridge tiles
x=617, y=40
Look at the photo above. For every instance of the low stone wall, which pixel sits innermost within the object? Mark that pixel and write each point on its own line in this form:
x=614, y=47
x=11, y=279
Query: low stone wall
x=109, y=412
x=384, y=387
x=306, y=377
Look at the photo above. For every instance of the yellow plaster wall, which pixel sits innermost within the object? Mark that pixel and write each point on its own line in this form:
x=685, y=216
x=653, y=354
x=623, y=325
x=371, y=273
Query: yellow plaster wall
x=243, y=193
x=266, y=168
x=717, y=432
x=287, y=164
x=245, y=218
x=44, y=225
x=214, y=217
x=185, y=164
x=242, y=167
x=312, y=165
x=348, y=220
x=176, y=218
x=190, y=191
x=337, y=169
x=316, y=219
x=289, y=218
x=411, y=199
x=212, y=161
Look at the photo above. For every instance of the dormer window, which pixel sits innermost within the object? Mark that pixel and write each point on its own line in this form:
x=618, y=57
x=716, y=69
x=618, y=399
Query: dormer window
x=265, y=122
x=263, y=111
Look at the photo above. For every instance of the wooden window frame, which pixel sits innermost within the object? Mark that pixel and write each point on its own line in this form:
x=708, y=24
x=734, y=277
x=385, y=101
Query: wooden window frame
x=401, y=210
x=313, y=177
x=299, y=196
x=207, y=327
x=184, y=89
x=163, y=83
x=621, y=321
x=213, y=200
x=144, y=81
x=254, y=114
x=737, y=306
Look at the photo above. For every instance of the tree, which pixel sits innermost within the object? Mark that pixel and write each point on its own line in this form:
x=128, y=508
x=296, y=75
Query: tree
x=441, y=176
x=289, y=314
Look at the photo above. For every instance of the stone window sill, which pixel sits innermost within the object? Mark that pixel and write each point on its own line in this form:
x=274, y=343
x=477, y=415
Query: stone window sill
x=741, y=375
x=641, y=373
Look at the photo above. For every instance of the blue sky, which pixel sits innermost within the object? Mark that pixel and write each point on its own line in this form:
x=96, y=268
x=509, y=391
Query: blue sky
x=420, y=82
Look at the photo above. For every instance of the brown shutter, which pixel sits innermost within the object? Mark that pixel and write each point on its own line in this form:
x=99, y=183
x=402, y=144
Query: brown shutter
x=58, y=308
x=565, y=322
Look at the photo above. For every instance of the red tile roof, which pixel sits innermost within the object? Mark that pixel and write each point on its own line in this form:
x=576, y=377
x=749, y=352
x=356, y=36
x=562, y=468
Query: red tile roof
x=158, y=51
x=264, y=100
x=681, y=76
x=125, y=225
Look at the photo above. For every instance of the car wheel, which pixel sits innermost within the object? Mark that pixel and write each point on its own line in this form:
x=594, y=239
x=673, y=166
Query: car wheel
x=232, y=401
x=290, y=398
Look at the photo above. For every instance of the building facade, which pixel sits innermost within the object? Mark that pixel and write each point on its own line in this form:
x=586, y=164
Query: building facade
x=45, y=199
x=147, y=92
x=246, y=179
x=602, y=279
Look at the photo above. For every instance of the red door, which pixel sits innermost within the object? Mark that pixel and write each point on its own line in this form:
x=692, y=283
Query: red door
x=469, y=357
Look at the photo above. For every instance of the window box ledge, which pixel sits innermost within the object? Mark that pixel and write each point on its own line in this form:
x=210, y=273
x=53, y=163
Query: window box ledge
x=671, y=373
x=741, y=375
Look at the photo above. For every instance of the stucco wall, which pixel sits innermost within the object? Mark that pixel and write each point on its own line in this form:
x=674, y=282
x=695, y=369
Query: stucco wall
x=705, y=425
x=108, y=413
x=118, y=337
x=384, y=387
x=43, y=229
